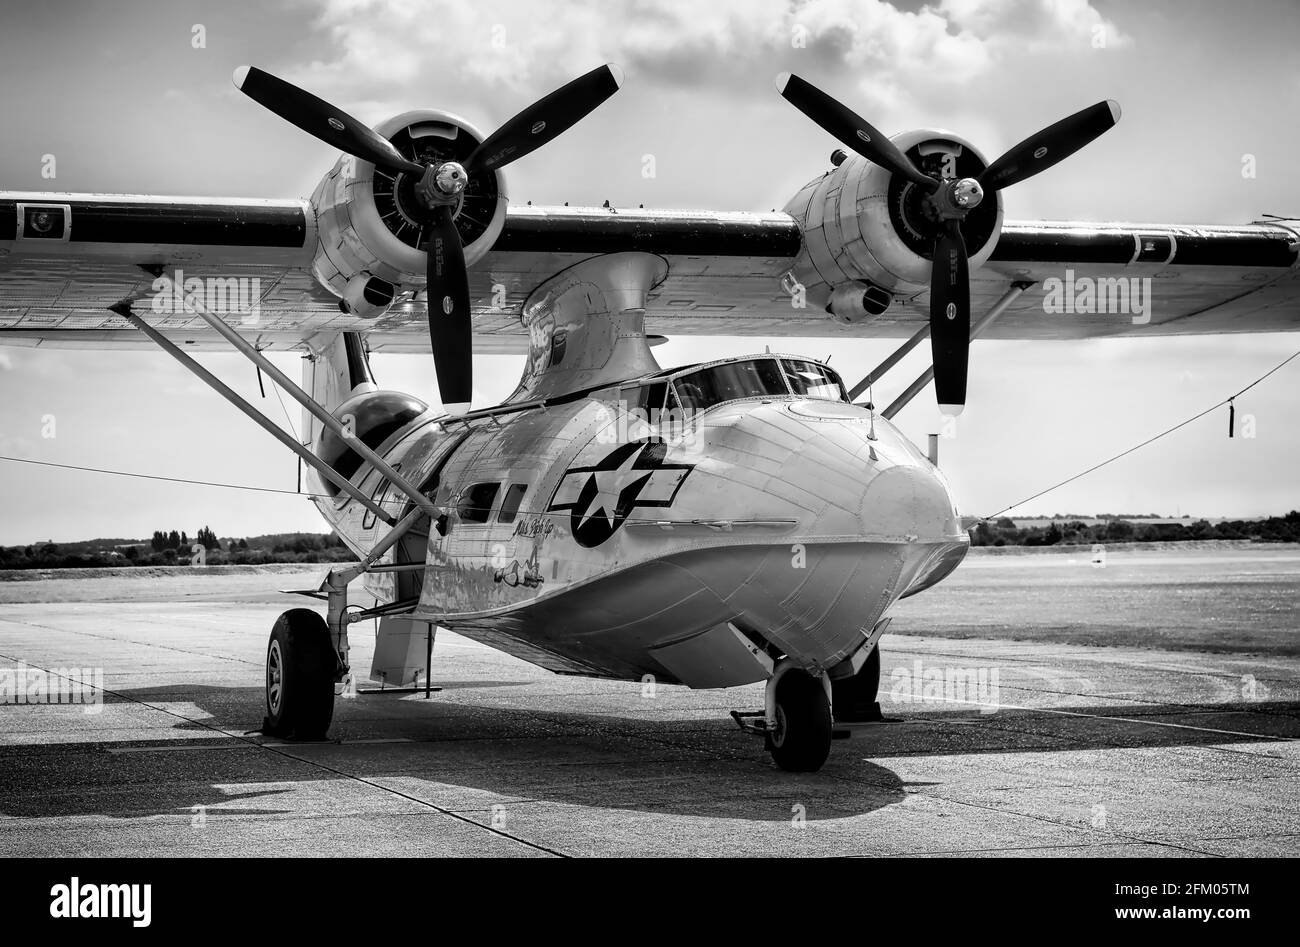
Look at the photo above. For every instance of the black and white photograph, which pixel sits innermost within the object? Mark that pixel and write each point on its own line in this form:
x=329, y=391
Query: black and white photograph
x=753, y=429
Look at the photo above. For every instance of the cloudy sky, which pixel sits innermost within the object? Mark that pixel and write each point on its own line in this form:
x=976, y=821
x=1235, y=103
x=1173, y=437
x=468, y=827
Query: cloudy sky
x=118, y=93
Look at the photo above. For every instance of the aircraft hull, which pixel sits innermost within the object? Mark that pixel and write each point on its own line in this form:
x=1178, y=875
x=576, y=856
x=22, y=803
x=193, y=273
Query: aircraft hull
x=667, y=618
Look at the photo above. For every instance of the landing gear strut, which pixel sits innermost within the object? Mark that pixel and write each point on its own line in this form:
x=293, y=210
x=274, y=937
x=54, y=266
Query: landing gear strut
x=797, y=725
x=854, y=698
x=798, y=733
x=301, y=665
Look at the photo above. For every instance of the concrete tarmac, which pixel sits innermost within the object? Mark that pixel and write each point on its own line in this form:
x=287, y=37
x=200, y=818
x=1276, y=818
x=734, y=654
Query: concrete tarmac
x=1003, y=747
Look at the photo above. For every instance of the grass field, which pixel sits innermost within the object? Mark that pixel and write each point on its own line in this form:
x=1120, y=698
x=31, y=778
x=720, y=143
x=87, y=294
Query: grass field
x=1243, y=599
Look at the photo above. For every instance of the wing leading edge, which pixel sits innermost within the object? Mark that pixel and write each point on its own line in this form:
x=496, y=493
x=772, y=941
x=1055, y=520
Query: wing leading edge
x=725, y=273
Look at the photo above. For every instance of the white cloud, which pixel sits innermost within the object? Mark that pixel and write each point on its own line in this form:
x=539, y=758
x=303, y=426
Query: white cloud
x=403, y=51
x=1041, y=24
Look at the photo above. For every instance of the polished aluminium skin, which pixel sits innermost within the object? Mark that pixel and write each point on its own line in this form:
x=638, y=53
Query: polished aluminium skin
x=704, y=544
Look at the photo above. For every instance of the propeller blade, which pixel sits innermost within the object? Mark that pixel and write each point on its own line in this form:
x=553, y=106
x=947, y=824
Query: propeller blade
x=317, y=117
x=950, y=319
x=849, y=128
x=546, y=118
x=450, y=320
x=1054, y=143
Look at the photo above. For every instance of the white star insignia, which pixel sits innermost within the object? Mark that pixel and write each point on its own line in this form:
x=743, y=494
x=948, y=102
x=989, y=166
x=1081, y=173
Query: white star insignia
x=610, y=485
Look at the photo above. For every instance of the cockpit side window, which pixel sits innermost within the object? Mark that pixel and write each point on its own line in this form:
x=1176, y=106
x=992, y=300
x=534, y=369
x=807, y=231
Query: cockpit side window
x=647, y=398
x=812, y=380
x=730, y=381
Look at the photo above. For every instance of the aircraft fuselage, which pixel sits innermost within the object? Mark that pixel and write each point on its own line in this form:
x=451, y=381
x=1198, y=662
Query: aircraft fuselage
x=621, y=547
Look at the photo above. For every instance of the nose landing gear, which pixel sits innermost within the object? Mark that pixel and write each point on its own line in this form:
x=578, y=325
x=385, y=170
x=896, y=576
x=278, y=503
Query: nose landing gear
x=799, y=732
x=796, y=724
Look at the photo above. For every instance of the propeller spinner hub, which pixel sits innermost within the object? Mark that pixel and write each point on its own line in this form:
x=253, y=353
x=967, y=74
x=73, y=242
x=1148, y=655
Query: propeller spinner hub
x=966, y=193
x=450, y=178
x=442, y=184
x=957, y=198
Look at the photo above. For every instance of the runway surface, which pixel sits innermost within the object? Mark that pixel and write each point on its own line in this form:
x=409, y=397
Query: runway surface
x=1066, y=749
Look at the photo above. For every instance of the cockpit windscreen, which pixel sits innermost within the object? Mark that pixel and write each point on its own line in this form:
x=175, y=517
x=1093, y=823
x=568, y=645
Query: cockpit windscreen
x=730, y=381
x=813, y=380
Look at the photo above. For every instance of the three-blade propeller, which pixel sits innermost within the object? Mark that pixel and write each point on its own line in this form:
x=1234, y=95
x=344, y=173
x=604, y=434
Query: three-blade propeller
x=439, y=191
x=950, y=201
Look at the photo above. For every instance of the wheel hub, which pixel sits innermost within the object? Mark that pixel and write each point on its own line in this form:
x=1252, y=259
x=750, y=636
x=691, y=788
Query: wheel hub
x=274, y=677
x=779, y=728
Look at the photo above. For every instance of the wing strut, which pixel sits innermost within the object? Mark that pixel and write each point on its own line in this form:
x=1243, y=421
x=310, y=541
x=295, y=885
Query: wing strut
x=123, y=309
x=317, y=410
x=878, y=372
x=335, y=587
x=915, y=388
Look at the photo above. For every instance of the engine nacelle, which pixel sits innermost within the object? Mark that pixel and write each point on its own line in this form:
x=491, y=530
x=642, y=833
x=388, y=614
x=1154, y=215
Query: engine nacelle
x=369, y=222
x=868, y=232
x=367, y=296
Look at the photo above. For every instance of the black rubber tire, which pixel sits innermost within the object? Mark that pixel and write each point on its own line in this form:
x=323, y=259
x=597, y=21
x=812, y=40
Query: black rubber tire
x=801, y=741
x=853, y=699
x=304, y=704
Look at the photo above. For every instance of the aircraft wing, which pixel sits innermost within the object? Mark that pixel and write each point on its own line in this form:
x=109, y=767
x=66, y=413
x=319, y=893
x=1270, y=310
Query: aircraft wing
x=725, y=274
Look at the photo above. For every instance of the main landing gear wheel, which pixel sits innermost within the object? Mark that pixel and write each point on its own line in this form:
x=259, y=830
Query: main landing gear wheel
x=854, y=698
x=800, y=739
x=300, y=671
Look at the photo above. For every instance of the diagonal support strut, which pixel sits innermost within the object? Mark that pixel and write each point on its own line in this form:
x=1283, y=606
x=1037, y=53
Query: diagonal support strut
x=915, y=388
x=314, y=407
x=123, y=309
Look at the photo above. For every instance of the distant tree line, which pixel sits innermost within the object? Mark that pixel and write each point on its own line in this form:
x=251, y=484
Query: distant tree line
x=171, y=548
x=207, y=538
x=1004, y=532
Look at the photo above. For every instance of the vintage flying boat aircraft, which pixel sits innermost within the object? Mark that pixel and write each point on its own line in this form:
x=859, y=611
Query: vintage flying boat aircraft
x=713, y=525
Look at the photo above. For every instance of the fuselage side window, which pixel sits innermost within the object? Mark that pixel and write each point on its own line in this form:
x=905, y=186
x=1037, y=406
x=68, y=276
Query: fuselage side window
x=476, y=503
x=812, y=380
x=510, y=505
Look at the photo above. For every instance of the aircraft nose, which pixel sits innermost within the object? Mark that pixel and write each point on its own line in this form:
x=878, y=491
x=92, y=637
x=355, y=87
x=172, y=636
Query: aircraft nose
x=875, y=482
x=912, y=501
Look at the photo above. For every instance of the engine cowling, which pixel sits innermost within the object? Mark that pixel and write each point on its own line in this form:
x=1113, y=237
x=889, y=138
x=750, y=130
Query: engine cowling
x=368, y=252
x=868, y=235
